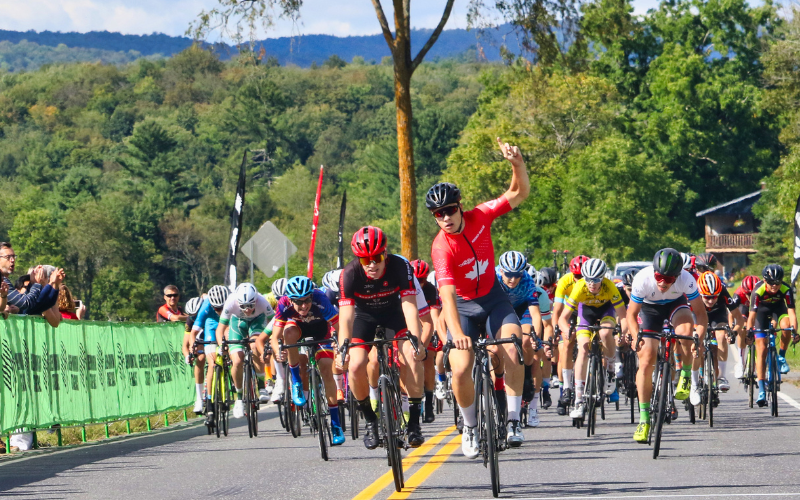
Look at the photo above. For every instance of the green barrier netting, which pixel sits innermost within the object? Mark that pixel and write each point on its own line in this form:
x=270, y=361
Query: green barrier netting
x=88, y=372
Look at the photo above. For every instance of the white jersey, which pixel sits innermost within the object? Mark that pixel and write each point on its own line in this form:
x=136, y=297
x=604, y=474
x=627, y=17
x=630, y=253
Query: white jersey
x=422, y=304
x=231, y=309
x=645, y=289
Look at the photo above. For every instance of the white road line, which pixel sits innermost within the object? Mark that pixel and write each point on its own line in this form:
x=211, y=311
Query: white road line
x=708, y=495
x=789, y=399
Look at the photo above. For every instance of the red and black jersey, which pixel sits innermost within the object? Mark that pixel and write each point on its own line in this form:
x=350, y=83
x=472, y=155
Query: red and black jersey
x=725, y=300
x=377, y=296
x=431, y=295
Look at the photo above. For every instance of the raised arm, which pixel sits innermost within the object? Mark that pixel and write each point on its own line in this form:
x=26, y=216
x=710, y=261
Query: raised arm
x=520, y=186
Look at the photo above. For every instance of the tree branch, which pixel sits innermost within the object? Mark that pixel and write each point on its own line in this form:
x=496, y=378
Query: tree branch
x=434, y=35
x=387, y=33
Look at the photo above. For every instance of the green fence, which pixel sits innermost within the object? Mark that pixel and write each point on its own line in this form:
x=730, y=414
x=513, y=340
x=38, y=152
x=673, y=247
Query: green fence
x=89, y=372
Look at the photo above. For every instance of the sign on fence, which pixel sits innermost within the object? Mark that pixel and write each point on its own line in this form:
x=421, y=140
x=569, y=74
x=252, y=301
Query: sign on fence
x=87, y=372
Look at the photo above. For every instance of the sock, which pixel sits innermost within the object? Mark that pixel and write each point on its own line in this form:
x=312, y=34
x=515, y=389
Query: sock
x=500, y=382
x=782, y=353
x=366, y=409
x=514, y=404
x=404, y=402
x=579, y=385
x=374, y=394
x=686, y=371
x=568, y=378
x=268, y=370
x=722, y=366
x=199, y=389
x=414, y=410
x=238, y=394
x=441, y=377
x=762, y=386
x=338, y=378
x=535, y=403
x=429, y=402
x=545, y=384
x=695, y=378
x=278, y=373
x=295, y=370
x=334, y=411
x=470, y=417
x=529, y=373
x=644, y=413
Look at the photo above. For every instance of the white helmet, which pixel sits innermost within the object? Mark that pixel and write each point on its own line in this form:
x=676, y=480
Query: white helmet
x=531, y=270
x=279, y=287
x=193, y=306
x=218, y=295
x=331, y=280
x=246, y=295
x=432, y=278
x=687, y=260
x=593, y=269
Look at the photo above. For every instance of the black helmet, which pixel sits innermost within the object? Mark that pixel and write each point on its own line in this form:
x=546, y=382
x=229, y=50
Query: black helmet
x=627, y=276
x=668, y=262
x=705, y=261
x=442, y=194
x=772, y=273
x=546, y=276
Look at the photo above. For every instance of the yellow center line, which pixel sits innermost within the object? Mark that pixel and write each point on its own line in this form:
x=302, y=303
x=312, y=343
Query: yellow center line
x=412, y=458
x=426, y=470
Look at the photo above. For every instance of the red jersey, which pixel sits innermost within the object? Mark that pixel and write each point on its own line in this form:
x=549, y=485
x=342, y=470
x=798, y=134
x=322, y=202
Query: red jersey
x=466, y=260
x=744, y=297
x=165, y=313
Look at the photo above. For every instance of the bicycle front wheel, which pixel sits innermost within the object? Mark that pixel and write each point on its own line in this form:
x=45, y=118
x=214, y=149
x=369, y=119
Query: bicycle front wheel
x=353, y=411
x=389, y=412
x=663, y=409
x=711, y=382
x=750, y=373
x=218, y=404
x=319, y=415
x=489, y=411
x=590, y=397
x=773, y=387
x=247, y=382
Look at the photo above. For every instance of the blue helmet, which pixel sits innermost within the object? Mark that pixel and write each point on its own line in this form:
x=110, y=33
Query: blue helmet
x=513, y=262
x=299, y=287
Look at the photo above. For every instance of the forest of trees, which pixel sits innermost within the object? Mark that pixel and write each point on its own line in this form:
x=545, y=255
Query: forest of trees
x=124, y=173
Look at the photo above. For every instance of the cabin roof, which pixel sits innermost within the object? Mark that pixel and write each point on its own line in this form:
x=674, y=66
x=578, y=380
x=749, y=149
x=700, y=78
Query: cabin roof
x=739, y=206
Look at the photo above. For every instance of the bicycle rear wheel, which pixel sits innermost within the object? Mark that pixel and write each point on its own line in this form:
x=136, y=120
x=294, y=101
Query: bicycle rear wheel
x=489, y=411
x=319, y=414
x=292, y=412
x=750, y=373
x=353, y=411
x=389, y=412
x=663, y=408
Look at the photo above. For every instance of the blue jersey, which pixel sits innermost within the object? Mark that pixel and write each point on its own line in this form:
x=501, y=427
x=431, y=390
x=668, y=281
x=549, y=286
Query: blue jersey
x=321, y=308
x=524, y=293
x=207, y=320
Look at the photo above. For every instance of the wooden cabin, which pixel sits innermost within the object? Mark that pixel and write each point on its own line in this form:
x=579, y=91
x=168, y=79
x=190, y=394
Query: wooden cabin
x=730, y=231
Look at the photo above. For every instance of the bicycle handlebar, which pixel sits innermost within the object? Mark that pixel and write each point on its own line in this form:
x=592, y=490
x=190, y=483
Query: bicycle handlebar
x=307, y=343
x=485, y=342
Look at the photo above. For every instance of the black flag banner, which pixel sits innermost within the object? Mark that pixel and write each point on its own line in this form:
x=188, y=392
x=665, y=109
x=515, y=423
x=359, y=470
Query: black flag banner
x=796, y=265
x=340, y=257
x=236, y=225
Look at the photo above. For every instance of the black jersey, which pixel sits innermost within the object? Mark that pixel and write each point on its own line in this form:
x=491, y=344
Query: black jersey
x=431, y=295
x=378, y=296
x=725, y=301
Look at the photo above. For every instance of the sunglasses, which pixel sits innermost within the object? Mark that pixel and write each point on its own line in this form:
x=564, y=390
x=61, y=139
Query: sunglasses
x=513, y=275
x=445, y=211
x=661, y=278
x=593, y=281
x=172, y=295
x=772, y=283
x=302, y=302
x=365, y=261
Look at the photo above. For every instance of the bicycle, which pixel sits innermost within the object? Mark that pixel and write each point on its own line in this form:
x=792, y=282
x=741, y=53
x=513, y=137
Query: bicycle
x=594, y=395
x=709, y=392
x=524, y=412
x=392, y=420
x=628, y=382
x=773, y=373
x=318, y=411
x=221, y=389
x=749, y=369
x=663, y=398
x=450, y=397
x=249, y=385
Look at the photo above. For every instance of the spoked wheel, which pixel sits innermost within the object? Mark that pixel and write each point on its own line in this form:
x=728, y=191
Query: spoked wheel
x=251, y=410
x=218, y=400
x=390, y=409
x=292, y=413
x=353, y=413
x=439, y=406
x=773, y=386
x=663, y=408
x=318, y=418
x=490, y=434
x=601, y=391
x=591, y=399
x=710, y=382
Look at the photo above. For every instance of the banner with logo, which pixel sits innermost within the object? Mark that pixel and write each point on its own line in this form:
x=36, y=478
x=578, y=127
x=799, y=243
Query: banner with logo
x=89, y=372
x=796, y=256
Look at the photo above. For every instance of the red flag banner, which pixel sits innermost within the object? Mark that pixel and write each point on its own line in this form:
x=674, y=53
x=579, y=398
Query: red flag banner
x=314, y=226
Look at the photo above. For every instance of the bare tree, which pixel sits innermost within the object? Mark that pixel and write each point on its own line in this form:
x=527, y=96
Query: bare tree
x=234, y=16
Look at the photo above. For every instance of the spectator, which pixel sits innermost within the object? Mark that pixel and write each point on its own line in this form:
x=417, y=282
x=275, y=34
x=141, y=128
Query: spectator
x=3, y=297
x=170, y=311
x=19, y=302
x=69, y=308
x=47, y=304
x=23, y=283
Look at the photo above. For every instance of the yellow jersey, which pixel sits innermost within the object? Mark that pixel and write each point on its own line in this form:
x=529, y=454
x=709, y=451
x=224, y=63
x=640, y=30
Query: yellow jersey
x=564, y=288
x=580, y=294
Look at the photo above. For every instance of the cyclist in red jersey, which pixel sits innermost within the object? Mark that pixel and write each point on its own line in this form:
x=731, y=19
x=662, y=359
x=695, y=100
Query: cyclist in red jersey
x=463, y=258
x=745, y=290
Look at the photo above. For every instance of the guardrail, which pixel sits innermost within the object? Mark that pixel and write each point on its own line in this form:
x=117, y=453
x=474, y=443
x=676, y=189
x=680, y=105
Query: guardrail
x=89, y=372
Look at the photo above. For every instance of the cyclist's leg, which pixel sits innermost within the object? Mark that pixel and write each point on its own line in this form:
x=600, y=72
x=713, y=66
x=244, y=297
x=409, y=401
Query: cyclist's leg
x=291, y=335
x=502, y=314
x=786, y=337
x=461, y=363
x=609, y=349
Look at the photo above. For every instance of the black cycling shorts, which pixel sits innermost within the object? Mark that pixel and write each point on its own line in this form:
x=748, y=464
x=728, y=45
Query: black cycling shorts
x=718, y=317
x=492, y=310
x=365, y=324
x=654, y=315
x=317, y=329
x=766, y=313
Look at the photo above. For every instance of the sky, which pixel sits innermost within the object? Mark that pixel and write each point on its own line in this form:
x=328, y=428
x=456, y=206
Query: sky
x=330, y=17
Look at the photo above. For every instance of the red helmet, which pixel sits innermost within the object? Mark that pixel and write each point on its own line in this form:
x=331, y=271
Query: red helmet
x=421, y=269
x=749, y=283
x=576, y=263
x=368, y=241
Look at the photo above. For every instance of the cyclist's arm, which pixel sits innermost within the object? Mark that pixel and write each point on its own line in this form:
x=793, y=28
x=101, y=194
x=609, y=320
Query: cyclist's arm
x=427, y=329
x=701, y=321
x=187, y=343
x=633, y=324
x=736, y=318
x=222, y=329
x=792, y=318
x=751, y=320
x=411, y=313
x=347, y=314
x=622, y=314
x=520, y=184
x=536, y=319
x=450, y=316
x=275, y=338
x=261, y=343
